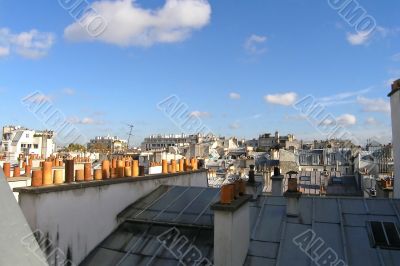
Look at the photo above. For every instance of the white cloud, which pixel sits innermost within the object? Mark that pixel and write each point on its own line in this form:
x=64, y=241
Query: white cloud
x=281, y=99
x=342, y=98
x=84, y=121
x=32, y=44
x=359, y=38
x=374, y=105
x=346, y=120
x=200, y=114
x=234, y=125
x=69, y=91
x=234, y=96
x=128, y=24
x=396, y=57
x=363, y=38
x=4, y=51
x=255, y=44
x=371, y=121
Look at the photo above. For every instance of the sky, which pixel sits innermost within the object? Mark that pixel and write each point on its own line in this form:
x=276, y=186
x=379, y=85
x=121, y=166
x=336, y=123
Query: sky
x=240, y=67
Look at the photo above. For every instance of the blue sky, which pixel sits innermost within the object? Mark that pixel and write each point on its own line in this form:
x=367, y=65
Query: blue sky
x=239, y=66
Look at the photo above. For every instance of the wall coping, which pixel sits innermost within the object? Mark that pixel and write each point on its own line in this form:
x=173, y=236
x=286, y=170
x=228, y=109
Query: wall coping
x=98, y=183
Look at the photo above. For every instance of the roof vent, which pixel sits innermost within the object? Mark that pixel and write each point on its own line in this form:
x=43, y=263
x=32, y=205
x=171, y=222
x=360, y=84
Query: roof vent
x=384, y=235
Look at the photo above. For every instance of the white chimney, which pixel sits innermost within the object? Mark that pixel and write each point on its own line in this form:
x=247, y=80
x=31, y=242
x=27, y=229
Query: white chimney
x=395, y=106
x=231, y=231
x=277, y=183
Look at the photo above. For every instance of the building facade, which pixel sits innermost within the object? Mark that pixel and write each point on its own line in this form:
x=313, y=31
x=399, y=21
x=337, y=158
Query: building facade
x=18, y=141
x=107, y=144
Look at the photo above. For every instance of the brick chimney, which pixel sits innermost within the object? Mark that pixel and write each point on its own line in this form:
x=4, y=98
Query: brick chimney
x=277, y=183
x=253, y=188
x=395, y=106
x=231, y=228
x=293, y=197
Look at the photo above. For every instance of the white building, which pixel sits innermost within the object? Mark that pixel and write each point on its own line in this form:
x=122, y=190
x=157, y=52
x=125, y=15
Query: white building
x=395, y=106
x=18, y=140
x=108, y=143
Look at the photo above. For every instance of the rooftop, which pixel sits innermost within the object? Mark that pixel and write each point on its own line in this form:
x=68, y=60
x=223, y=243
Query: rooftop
x=340, y=222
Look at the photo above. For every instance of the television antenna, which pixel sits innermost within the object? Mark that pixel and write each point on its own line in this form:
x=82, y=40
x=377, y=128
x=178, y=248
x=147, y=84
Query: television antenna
x=130, y=134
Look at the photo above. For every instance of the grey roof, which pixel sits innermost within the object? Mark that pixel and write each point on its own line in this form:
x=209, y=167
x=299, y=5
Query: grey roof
x=340, y=222
x=310, y=184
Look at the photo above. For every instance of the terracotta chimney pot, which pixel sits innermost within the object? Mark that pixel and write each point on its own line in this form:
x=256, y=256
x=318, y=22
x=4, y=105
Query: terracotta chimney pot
x=58, y=177
x=47, y=173
x=17, y=171
x=6, y=169
x=37, y=179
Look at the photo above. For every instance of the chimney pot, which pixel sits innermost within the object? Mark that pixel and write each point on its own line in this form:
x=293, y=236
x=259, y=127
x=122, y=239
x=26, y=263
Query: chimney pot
x=58, y=177
x=128, y=171
x=88, y=172
x=7, y=169
x=28, y=169
x=69, y=170
x=226, y=194
x=47, y=173
x=98, y=174
x=105, y=168
x=17, y=171
x=37, y=178
x=164, y=167
x=79, y=175
x=277, y=183
x=135, y=168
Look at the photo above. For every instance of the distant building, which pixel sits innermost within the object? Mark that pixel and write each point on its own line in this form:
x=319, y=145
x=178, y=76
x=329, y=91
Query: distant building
x=18, y=140
x=332, y=144
x=269, y=141
x=326, y=159
x=163, y=142
x=107, y=144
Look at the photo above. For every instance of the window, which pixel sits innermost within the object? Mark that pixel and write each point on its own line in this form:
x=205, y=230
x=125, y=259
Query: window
x=27, y=136
x=23, y=145
x=35, y=146
x=29, y=146
x=384, y=235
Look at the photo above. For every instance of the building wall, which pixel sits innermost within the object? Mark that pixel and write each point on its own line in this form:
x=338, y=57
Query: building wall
x=395, y=106
x=77, y=220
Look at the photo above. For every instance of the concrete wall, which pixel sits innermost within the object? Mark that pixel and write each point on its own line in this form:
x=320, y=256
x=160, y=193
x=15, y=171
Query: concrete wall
x=395, y=106
x=17, y=244
x=18, y=182
x=77, y=217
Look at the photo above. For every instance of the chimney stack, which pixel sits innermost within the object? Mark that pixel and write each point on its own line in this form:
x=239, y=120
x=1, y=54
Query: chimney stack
x=253, y=188
x=252, y=179
x=395, y=107
x=277, y=183
x=231, y=228
x=293, y=197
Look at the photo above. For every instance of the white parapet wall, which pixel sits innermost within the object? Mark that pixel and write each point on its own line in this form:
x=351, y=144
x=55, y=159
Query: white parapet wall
x=76, y=217
x=395, y=110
